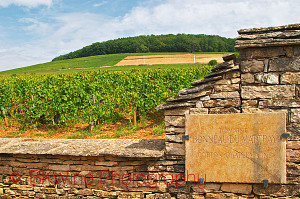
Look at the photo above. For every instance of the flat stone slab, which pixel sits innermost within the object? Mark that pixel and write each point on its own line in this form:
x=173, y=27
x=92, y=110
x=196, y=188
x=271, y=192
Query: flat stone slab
x=139, y=148
x=237, y=148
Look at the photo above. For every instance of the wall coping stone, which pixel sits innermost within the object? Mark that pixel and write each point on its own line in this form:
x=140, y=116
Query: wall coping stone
x=288, y=35
x=268, y=29
x=135, y=148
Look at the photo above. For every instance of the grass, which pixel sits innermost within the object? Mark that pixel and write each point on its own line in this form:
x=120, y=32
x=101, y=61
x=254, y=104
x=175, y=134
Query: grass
x=159, y=129
x=91, y=64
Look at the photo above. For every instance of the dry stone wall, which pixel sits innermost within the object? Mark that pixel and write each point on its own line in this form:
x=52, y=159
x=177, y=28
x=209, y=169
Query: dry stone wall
x=265, y=78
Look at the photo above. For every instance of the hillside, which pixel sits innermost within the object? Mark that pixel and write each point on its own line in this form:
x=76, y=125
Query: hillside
x=156, y=43
x=99, y=62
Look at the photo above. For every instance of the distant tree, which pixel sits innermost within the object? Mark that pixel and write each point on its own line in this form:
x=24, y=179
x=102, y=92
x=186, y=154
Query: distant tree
x=156, y=43
x=213, y=62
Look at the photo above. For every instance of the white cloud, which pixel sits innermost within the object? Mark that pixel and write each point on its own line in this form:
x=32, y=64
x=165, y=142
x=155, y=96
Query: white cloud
x=210, y=17
x=71, y=31
x=26, y=3
x=100, y=4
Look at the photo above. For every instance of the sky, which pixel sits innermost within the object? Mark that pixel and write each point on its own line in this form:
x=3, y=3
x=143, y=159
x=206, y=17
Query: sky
x=36, y=31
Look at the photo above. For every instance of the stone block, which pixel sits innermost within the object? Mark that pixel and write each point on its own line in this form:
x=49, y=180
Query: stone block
x=233, y=74
x=295, y=115
x=201, y=150
x=247, y=78
x=18, y=164
x=237, y=188
x=223, y=82
x=224, y=95
x=21, y=187
x=235, y=80
x=236, y=102
x=294, y=130
x=297, y=51
x=175, y=130
x=10, y=192
x=277, y=190
x=221, y=110
x=6, y=170
x=293, y=155
x=274, y=189
x=106, y=163
x=288, y=51
x=37, y=165
x=293, y=169
x=293, y=145
x=175, y=149
x=208, y=187
x=197, y=196
x=254, y=53
x=268, y=92
x=284, y=64
x=269, y=78
x=221, y=196
x=205, y=98
x=85, y=192
x=266, y=67
x=253, y=66
x=174, y=138
x=249, y=103
x=199, y=104
x=227, y=88
x=262, y=104
x=175, y=121
x=198, y=111
x=290, y=78
x=293, y=103
x=176, y=111
x=59, y=167
x=60, y=191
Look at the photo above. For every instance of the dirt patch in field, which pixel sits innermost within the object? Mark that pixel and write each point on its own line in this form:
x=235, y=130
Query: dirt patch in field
x=118, y=130
x=169, y=59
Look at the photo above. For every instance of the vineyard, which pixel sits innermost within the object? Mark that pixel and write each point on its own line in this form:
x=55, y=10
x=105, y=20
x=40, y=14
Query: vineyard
x=94, y=97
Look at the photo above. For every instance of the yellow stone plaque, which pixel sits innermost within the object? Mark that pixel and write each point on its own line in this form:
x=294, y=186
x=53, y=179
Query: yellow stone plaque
x=244, y=148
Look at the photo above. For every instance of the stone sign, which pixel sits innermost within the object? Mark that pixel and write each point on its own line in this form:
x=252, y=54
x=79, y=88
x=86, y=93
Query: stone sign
x=244, y=148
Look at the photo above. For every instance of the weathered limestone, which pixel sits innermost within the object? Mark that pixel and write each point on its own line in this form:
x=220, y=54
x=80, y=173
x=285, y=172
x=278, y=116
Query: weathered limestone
x=79, y=147
x=284, y=64
x=178, y=121
x=225, y=95
x=269, y=92
x=290, y=78
x=237, y=188
x=252, y=66
x=295, y=115
x=244, y=148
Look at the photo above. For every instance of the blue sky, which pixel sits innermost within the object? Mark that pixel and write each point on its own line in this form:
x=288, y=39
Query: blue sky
x=36, y=31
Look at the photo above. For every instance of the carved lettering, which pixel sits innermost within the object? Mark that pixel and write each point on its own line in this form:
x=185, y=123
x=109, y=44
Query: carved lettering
x=235, y=139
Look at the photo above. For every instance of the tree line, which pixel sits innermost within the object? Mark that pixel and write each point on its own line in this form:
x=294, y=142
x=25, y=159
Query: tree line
x=156, y=43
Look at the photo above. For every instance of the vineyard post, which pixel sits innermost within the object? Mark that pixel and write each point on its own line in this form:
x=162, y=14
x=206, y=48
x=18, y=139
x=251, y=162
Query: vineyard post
x=134, y=118
x=92, y=122
x=5, y=119
x=32, y=99
x=94, y=101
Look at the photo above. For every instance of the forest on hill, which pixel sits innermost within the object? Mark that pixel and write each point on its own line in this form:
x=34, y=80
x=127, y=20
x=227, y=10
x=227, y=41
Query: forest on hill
x=155, y=43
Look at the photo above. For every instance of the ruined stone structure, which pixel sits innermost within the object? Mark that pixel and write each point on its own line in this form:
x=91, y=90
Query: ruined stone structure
x=265, y=78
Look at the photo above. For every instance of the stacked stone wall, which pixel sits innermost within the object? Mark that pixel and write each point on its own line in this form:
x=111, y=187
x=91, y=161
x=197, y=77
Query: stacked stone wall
x=270, y=82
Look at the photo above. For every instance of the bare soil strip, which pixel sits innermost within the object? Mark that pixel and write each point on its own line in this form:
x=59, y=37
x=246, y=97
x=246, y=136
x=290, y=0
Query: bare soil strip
x=169, y=59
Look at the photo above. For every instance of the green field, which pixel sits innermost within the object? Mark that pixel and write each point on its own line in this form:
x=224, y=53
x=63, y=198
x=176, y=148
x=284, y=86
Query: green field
x=93, y=63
